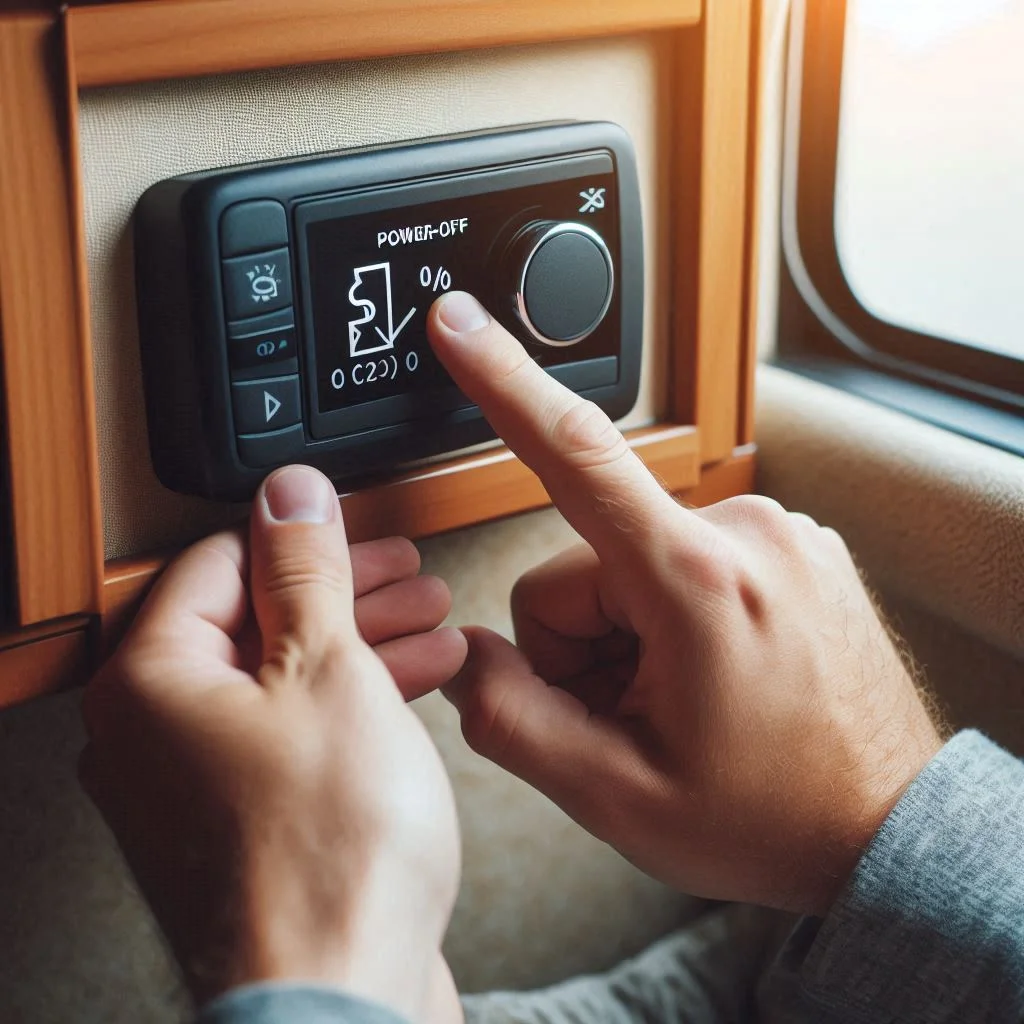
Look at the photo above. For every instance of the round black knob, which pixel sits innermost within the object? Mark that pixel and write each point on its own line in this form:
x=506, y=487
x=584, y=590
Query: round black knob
x=565, y=281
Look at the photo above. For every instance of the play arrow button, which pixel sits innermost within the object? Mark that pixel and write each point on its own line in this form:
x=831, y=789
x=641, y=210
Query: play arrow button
x=270, y=405
x=266, y=405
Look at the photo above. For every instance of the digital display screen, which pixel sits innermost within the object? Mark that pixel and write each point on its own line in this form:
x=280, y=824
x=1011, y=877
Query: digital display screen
x=372, y=277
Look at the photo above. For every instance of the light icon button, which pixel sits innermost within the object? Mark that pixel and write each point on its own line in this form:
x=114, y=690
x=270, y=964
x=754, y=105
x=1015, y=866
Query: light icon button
x=257, y=284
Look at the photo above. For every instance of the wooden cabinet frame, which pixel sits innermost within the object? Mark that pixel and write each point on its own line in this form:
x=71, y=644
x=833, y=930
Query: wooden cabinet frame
x=63, y=586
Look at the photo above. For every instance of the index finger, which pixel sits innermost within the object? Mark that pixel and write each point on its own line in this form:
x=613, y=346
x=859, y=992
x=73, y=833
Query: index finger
x=597, y=481
x=204, y=586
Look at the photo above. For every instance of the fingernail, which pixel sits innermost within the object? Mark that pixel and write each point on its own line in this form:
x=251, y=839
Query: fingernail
x=298, y=494
x=461, y=313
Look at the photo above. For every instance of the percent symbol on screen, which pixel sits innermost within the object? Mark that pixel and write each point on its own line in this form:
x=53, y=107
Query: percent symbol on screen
x=437, y=280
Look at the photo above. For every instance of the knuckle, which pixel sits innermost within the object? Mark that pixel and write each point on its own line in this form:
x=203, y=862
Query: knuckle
x=771, y=522
x=290, y=573
x=805, y=522
x=508, y=364
x=519, y=598
x=287, y=658
x=292, y=658
x=833, y=537
x=717, y=573
x=588, y=436
x=405, y=552
x=525, y=591
x=835, y=543
x=489, y=723
x=757, y=509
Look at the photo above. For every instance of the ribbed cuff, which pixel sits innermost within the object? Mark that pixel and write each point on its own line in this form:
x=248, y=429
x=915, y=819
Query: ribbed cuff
x=931, y=926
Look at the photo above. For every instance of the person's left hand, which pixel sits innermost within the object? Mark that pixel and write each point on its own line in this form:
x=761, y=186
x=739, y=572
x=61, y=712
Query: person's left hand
x=283, y=811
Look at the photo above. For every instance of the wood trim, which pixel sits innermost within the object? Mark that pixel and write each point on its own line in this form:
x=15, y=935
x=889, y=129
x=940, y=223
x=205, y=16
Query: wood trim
x=725, y=479
x=710, y=245
x=31, y=634
x=430, y=500
x=38, y=661
x=90, y=439
x=752, y=262
x=125, y=586
x=42, y=660
x=42, y=666
x=117, y=43
x=447, y=497
x=54, y=482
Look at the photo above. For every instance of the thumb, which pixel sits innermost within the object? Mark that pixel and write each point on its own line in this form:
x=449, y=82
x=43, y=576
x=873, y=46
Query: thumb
x=301, y=571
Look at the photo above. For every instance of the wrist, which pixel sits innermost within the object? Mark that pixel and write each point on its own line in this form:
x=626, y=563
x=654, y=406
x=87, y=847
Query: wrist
x=372, y=942
x=867, y=810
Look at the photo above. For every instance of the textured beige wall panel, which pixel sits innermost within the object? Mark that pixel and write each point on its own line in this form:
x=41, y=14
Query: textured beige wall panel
x=931, y=516
x=978, y=686
x=133, y=136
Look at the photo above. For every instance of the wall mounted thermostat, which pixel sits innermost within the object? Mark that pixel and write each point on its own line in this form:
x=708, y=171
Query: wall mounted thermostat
x=282, y=306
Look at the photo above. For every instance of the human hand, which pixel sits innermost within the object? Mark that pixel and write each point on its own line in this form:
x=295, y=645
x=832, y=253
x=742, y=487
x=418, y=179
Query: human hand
x=283, y=811
x=710, y=691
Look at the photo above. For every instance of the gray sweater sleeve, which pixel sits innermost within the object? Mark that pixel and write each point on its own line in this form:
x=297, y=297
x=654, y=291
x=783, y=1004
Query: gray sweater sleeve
x=277, y=1003
x=930, y=929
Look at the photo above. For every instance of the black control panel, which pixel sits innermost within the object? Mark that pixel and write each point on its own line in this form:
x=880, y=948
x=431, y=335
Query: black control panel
x=282, y=306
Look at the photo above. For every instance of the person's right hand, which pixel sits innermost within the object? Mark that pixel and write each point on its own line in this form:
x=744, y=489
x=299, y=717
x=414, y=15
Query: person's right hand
x=709, y=691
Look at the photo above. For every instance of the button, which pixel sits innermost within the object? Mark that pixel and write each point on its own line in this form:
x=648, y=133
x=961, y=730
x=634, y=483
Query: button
x=565, y=283
x=263, y=348
x=273, y=449
x=257, y=284
x=253, y=227
x=267, y=404
x=268, y=322
x=263, y=345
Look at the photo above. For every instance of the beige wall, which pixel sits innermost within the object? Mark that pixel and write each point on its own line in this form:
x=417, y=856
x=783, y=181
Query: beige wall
x=936, y=521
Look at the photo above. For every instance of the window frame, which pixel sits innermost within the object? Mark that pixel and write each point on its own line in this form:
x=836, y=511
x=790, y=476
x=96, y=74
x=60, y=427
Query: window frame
x=823, y=327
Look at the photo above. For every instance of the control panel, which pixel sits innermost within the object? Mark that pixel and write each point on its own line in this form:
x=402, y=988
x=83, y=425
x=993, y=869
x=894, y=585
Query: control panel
x=282, y=306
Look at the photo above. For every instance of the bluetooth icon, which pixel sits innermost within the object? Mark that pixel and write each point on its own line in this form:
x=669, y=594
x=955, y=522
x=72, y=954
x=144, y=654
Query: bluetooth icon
x=593, y=199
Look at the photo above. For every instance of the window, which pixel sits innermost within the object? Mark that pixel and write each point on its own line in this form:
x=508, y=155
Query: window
x=929, y=211
x=903, y=207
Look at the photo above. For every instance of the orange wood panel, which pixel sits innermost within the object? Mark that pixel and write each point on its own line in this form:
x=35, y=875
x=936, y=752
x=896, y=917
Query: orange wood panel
x=42, y=666
x=725, y=479
x=145, y=41
x=751, y=264
x=710, y=234
x=446, y=497
x=30, y=634
x=47, y=369
x=127, y=582
x=433, y=499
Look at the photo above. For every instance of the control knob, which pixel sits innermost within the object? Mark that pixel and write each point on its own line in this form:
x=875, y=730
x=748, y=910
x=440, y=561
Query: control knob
x=564, y=280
